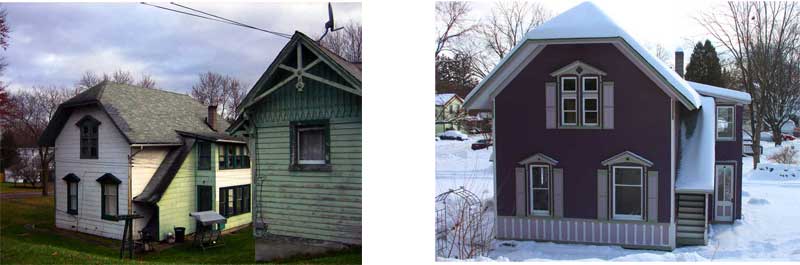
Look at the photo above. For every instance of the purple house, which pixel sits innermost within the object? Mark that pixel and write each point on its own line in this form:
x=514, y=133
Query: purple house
x=599, y=142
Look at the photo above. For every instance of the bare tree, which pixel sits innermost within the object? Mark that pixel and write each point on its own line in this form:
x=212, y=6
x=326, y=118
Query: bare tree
x=759, y=36
x=88, y=80
x=220, y=90
x=122, y=77
x=33, y=110
x=346, y=42
x=504, y=29
x=146, y=81
x=235, y=95
x=4, y=38
x=452, y=22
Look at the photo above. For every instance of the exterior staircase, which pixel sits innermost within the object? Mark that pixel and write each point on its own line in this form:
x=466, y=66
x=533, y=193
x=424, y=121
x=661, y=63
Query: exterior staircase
x=692, y=220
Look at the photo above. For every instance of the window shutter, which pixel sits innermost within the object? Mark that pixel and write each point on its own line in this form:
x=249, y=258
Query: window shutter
x=558, y=192
x=608, y=105
x=602, y=194
x=550, y=105
x=652, y=196
x=519, y=173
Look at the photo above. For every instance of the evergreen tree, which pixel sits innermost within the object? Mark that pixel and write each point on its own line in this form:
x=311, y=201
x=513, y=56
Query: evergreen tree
x=704, y=66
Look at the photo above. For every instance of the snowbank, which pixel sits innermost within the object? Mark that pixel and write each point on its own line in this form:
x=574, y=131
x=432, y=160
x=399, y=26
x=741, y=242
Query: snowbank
x=696, y=168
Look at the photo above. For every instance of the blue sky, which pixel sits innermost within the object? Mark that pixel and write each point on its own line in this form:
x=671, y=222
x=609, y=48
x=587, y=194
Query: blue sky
x=54, y=43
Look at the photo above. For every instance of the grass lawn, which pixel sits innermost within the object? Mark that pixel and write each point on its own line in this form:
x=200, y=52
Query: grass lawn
x=8, y=187
x=28, y=236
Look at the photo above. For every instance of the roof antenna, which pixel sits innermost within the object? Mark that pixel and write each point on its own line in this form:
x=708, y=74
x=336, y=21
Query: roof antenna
x=329, y=26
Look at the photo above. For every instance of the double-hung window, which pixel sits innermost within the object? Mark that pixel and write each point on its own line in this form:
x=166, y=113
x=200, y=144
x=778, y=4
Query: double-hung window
x=628, y=192
x=590, y=106
x=539, y=181
x=725, y=123
x=72, y=193
x=569, y=101
x=204, y=156
x=233, y=156
x=109, y=193
x=89, y=132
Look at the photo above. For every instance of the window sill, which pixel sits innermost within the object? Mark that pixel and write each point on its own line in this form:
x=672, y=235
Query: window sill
x=311, y=167
x=75, y=212
x=110, y=218
x=575, y=127
x=234, y=168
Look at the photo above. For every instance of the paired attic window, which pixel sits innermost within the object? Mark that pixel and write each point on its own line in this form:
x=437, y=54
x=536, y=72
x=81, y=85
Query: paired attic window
x=725, y=123
x=579, y=95
x=233, y=156
x=89, y=132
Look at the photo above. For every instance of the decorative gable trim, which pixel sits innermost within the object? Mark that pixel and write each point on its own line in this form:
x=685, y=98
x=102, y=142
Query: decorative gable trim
x=88, y=119
x=71, y=178
x=578, y=68
x=538, y=158
x=108, y=178
x=627, y=157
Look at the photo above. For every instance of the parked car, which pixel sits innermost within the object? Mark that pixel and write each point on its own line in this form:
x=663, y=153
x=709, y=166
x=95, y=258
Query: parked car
x=453, y=135
x=481, y=144
x=788, y=137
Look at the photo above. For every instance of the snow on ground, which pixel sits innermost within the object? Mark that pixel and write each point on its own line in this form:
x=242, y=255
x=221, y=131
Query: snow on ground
x=768, y=229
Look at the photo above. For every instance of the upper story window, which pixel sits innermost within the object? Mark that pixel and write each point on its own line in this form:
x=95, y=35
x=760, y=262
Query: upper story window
x=204, y=156
x=579, y=93
x=89, y=131
x=233, y=156
x=725, y=123
x=310, y=145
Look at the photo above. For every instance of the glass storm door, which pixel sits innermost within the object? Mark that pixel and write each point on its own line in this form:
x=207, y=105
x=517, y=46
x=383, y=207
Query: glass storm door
x=723, y=193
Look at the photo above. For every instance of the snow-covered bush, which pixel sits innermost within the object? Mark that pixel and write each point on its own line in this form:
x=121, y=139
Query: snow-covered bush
x=785, y=156
x=464, y=228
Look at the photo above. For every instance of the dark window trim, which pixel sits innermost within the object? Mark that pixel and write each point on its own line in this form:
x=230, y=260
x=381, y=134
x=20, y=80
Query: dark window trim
x=93, y=126
x=71, y=178
x=108, y=178
x=239, y=159
x=204, y=158
x=294, y=155
x=241, y=200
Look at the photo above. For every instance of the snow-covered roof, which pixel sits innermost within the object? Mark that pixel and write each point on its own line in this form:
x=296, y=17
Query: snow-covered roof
x=722, y=93
x=696, y=167
x=587, y=21
x=441, y=99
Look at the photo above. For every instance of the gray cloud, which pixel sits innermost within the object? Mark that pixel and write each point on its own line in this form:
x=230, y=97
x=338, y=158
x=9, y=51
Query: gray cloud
x=53, y=43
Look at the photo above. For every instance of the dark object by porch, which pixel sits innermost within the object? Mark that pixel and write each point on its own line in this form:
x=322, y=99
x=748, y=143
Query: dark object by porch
x=180, y=234
x=127, y=234
x=209, y=229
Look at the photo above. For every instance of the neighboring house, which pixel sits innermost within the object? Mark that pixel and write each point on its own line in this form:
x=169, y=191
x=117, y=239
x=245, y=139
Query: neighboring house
x=122, y=149
x=614, y=148
x=448, y=112
x=303, y=120
x=788, y=127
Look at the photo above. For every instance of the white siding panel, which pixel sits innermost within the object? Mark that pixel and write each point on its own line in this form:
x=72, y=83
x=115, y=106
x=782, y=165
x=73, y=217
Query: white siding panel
x=113, y=158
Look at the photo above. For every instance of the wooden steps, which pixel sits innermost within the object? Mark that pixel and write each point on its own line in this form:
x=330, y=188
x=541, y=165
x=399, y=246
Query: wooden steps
x=692, y=224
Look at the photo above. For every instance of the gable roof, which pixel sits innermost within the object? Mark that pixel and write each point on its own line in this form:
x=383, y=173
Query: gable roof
x=143, y=115
x=584, y=22
x=165, y=173
x=443, y=99
x=348, y=70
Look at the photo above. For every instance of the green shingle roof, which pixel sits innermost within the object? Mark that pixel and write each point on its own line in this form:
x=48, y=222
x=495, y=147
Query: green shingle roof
x=143, y=115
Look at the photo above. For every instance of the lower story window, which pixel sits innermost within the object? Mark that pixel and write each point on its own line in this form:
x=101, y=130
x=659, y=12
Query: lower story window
x=110, y=201
x=539, y=190
x=628, y=192
x=72, y=197
x=234, y=200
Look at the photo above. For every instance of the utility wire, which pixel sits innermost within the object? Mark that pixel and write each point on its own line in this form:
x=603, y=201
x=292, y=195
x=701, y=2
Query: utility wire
x=234, y=22
x=217, y=19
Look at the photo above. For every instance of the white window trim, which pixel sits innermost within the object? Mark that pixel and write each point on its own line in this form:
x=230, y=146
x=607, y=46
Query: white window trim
x=614, y=194
x=564, y=111
x=590, y=95
x=717, y=167
x=583, y=84
x=569, y=78
x=531, y=189
x=308, y=162
x=732, y=122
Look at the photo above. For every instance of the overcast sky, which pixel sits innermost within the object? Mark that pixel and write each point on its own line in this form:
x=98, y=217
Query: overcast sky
x=669, y=23
x=53, y=44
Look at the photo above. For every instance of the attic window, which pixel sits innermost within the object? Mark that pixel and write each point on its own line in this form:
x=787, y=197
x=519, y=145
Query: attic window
x=89, y=131
x=579, y=95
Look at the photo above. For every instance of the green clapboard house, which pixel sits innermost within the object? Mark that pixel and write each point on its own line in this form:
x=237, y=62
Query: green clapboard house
x=303, y=122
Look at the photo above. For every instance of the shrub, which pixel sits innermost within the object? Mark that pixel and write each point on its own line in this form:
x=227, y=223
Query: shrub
x=785, y=155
